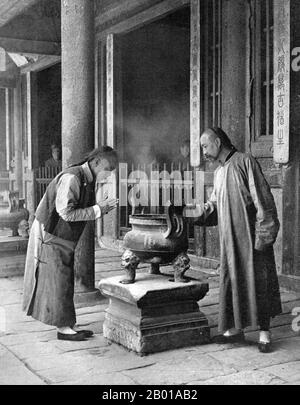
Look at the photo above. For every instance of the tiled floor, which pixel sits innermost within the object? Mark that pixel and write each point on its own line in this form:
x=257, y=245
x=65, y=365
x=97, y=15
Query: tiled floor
x=30, y=353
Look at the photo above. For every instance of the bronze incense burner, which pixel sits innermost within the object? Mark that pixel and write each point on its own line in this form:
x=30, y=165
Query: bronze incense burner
x=158, y=239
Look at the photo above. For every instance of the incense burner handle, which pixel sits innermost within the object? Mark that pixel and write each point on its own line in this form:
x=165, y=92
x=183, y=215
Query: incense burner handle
x=174, y=221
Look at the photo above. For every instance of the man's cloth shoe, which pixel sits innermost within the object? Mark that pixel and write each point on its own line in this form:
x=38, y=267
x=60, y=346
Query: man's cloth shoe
x=264, y=347
x=87, y=333
x=222, y=339
x=75, y=337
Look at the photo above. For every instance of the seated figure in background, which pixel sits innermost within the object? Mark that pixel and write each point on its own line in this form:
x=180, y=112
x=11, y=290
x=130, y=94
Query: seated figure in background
x=184, y=156
x=55, y=160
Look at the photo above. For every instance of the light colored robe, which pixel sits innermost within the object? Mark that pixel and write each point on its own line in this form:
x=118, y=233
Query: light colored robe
x=248, y=226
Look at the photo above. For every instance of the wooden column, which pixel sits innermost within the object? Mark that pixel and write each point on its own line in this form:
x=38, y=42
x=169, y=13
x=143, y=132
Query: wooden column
x=195, y=95
x=294, y=137
x=234, y=54
x=196, y=124
x=31, y=139
x=109, y=231
x=10, y=141
x=78, y=113
x=7, y=128
x=77, y=79
x=110, y=105
x=102, y=93
x=18, y=158
x=290, y=276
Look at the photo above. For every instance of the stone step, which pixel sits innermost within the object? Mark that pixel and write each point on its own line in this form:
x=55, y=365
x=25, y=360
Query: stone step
x=12, y=244
x=12, y=265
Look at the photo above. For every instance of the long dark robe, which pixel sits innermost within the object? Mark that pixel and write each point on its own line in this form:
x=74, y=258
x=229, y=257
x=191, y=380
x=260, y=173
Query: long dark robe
x=52, y=300
x=248, y=226
x=49, y=271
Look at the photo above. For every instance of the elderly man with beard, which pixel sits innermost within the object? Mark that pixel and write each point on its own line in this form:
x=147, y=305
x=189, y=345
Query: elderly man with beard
x=60, y=218
x=244, y=209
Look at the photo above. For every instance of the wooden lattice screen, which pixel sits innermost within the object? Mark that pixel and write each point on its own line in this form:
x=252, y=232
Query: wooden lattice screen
x=42, y=177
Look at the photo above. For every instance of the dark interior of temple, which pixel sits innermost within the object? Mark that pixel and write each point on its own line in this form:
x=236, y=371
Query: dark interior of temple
x=155, y=88
x=49, y=110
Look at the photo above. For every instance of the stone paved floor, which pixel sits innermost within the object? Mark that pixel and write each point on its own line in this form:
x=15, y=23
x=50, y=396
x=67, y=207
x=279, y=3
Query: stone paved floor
x=30, y=354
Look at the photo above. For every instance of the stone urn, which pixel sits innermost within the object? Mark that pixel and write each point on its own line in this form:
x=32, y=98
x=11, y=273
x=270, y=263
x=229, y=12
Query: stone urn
x=156, y=239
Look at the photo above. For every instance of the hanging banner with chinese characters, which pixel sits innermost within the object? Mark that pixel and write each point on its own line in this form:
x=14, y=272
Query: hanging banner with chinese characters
x=281, y=80
x=195, y=83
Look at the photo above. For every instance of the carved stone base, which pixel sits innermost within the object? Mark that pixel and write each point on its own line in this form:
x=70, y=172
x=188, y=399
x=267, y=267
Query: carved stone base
x=153, y=314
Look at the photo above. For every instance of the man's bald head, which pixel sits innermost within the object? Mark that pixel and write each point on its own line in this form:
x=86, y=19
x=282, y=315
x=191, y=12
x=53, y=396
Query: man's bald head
x=212, y=141
x=209, y=134
x=217, y=132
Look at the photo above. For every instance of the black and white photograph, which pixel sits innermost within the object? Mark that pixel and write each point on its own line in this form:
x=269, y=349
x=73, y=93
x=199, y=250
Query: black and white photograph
x=149, y=196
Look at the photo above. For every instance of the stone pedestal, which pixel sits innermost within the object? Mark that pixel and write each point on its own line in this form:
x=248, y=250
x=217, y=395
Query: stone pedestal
x=154, y=314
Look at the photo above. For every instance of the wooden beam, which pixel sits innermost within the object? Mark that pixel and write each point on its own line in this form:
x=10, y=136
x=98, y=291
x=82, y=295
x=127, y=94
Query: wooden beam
x=30, y=47
x=11, y=8
x=113, y=10
x=144, y=17
x=43, y=63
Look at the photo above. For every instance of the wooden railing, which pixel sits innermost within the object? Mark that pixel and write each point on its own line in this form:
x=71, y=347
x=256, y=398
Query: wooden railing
x=164, y=182
x=4, y=180
x=160, y=183
x=42, y=177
